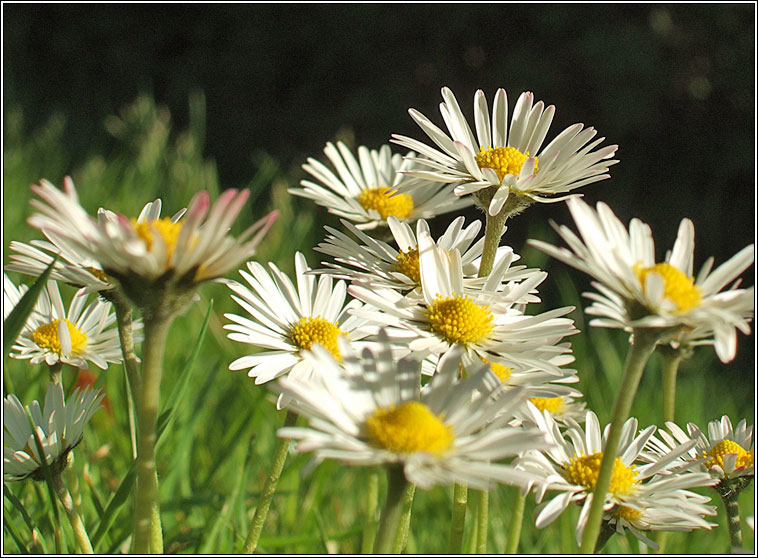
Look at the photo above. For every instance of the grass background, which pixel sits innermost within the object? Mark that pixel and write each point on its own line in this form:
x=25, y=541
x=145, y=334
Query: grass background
x=671, y=85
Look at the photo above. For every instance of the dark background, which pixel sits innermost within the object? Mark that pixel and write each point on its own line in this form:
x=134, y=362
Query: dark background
x=673, y=85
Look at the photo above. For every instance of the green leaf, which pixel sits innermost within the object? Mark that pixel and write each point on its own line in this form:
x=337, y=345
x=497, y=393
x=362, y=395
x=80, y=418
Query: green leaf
x=15, y=321
x=11, y=529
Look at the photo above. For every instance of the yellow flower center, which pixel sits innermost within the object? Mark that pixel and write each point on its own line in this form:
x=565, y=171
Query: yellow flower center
x=503, y=160
x=625, y=512
x=583, y=471
x=724, y=447
x=46, y=337
x=409, y=428
x=316, y=330
x=99, y=273
x=502, y=371
x=407, y=264
x=680, y=289
x=552, y=404
x=458, y=320
x=168, y=231
x=386, y=202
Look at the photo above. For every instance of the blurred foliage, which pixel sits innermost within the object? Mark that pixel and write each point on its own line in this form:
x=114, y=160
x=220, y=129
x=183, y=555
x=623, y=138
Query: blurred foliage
x=101, y=92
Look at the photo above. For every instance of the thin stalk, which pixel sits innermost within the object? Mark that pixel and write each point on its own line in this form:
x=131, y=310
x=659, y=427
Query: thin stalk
x=640, y=349
x=148, y=398
x=55, y=372
x=401, y=537
x=517, y=519
x=80, y=532
x=482, y=521
x=732, y=508
x=269, y=487
x=671, y=360
x=393, y=510
x=458, y=521
x=372, y=503
x=131, y=364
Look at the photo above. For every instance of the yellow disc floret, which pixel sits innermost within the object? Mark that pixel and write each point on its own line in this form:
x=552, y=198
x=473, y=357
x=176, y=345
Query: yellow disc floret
x=503, y=160
x=724, y=447
x=386, y=202
x=680, y=289
x=552, y=404
x=459, y=320
x=407, y=264
x=583, y=471
x=408, y=428
x=46, y=337
x=502, y=371
x=308, y=330
x=168, y=231
x=625, y=512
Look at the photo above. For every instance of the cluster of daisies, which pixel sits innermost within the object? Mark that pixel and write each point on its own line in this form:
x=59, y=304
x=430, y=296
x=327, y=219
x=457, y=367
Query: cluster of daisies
x=403, y=350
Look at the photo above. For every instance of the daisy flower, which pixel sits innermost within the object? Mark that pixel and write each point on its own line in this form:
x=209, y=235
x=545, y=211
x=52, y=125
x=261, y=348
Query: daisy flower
x=636, y=292
x=78, y=336
x=381, y=265
x=287, y=320
x=157, y=251
x=482, y=318
x=506, y=160
x=562, y=405
x=571, y=468
x=370, y=410
x=59, y=425
x=73, y=266
x=727, y=453
x=364, y=191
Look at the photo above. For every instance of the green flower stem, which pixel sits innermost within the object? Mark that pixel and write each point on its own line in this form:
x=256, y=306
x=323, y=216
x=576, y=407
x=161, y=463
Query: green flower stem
x=80, y=532
x=147, y=399
x=372, y=503
x=517, y=519
x=671, y=361
x=493, y=231
x=393, y=510
x=55, y=372
x=131, y=364
x=482, y=521
x=732, y=508
x=401, y=537
x=269, y=487
x=640, y=349
x=458, y=521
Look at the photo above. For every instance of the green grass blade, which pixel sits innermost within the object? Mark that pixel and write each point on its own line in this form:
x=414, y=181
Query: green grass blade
x=60, y=543
x=11, y=529
x=168, y=415
x=118, y=499
x=15, y=321
x=19, y=506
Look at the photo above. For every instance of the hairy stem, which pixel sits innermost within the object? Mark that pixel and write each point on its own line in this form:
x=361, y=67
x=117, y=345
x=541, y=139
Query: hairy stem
x=640, y=349
x=393, y=510
x=269, y=488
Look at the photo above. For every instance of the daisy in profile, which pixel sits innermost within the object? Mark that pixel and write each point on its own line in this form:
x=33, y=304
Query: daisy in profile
x=481, y=318
x=286, y=320
x=570, y=468
x=59, y=425
x=726, y=452
x=369, y=410
x=156, y=251
x=364, y=191
x=504, y=161
x=381, y=265
x=83, y=334
x=74, y=267
x=636, y=292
